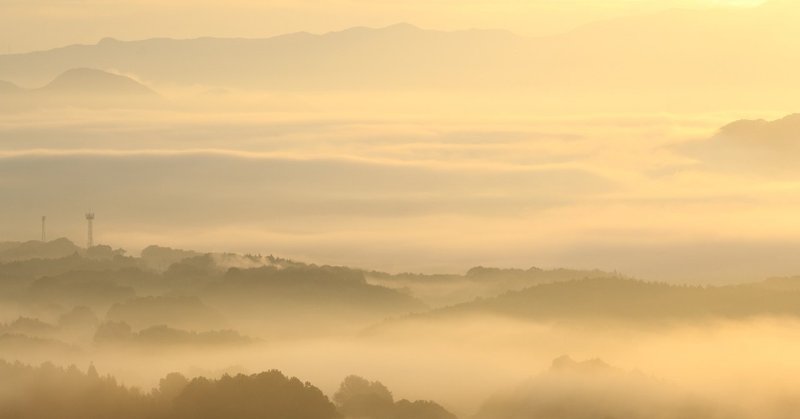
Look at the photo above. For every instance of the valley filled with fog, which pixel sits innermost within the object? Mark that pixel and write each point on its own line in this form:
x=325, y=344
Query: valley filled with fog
x=402, y=222
x=530, y=341
x=639, y=193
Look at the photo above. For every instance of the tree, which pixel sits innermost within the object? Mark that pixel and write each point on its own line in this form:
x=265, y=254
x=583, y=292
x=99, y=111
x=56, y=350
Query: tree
x=266, y=395
x=359, y=398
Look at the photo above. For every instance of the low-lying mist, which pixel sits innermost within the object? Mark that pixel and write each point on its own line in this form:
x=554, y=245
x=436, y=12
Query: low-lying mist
x=401, y=222
x=531, y=343
x=503, y=364
x=353, y=183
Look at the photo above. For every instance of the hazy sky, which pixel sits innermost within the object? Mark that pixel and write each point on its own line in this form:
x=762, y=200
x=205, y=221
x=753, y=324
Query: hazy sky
x=86, y=21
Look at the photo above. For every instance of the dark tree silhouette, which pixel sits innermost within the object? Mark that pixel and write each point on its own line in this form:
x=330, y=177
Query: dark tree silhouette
x=267, y=395
x=48, y=391
x=358, y=398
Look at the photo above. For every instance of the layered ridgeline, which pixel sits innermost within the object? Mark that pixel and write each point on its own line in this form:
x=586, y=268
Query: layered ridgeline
x=688, y=51
x=191, y=291
x=478, y=282
x=58, y=295
x=629, y=301
x=121, y=297
x=207, y=314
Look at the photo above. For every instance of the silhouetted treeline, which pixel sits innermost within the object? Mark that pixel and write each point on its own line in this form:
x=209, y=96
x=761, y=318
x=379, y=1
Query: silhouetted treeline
x=102, y=278
x=48, y=391
x=195, y=292
x=443, y=289
x=268, y=394
x=175, y=311
x=99, y=281
x=17, y=251
x=295, y=287
x=66, y=393
x=53, y=392
x=358, y=398
x=120, y=333
x=227, y=298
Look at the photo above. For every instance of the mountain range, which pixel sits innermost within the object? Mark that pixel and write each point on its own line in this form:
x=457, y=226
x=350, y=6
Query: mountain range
x=754, y=49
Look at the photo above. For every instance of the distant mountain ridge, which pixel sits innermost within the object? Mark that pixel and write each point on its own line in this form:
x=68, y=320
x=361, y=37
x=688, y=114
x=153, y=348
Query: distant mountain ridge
x=298, y=60
x=84, y=81
x=702, y=52
x=95, y=82
x=630, y=301
x=78, y=86
x=753, y=145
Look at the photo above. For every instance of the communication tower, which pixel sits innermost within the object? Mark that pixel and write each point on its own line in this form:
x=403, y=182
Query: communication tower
x=89, y=221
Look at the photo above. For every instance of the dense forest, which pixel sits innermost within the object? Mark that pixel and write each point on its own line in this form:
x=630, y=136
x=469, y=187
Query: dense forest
x=49, y=391
x=190, y=291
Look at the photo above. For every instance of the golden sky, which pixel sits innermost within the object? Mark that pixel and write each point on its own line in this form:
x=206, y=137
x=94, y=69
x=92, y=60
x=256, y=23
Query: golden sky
x=27, y=25
x=613, y=164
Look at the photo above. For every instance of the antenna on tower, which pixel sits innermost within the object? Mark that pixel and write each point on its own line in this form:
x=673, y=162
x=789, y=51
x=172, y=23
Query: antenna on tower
x=44, y=230
x=89, y=221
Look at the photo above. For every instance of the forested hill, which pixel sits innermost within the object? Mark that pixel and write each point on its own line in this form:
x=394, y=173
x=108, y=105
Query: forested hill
x=632, y=300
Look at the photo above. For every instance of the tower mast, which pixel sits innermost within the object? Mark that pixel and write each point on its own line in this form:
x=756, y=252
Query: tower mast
x=89, y=221
x=44, y=230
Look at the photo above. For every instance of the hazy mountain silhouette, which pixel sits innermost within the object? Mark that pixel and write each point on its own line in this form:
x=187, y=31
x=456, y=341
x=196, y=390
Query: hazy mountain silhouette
x=14, y=344
x=87, y=81
x=627, y=300
x=781, y=284
x=391, y=57
x=685, y=50
x=179, y=312
x=593, y=389
x=120, y=333
x=758, y=145
x=84, y=87
x=29, y=327
x=780, y=134
x=442, y=290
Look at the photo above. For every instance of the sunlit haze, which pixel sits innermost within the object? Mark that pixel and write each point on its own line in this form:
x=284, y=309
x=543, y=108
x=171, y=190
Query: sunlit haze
x=399, y=210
